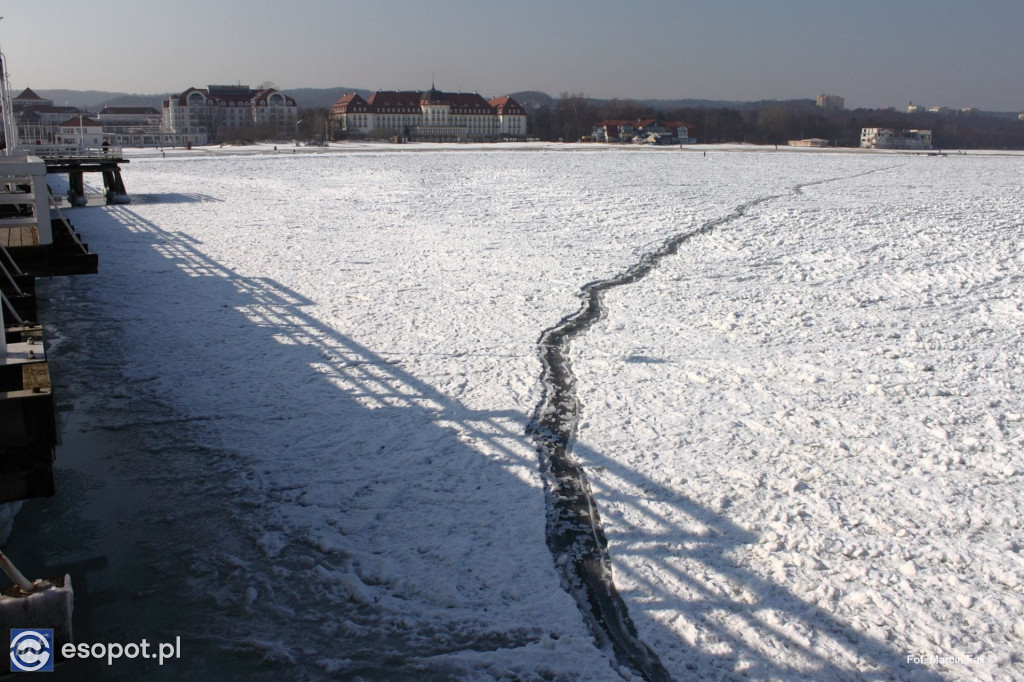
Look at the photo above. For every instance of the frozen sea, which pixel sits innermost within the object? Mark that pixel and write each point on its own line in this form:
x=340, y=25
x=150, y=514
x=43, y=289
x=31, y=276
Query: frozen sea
x=297, y=398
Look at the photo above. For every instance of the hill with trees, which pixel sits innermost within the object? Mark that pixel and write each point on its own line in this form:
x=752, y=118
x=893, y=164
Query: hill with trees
x=571, y=117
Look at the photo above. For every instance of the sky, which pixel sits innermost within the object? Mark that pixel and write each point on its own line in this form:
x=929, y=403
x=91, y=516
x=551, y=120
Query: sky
x=875, y=53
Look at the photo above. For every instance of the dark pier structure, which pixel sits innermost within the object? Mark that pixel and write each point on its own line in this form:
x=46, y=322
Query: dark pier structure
x=76, y=162
x=35, y=241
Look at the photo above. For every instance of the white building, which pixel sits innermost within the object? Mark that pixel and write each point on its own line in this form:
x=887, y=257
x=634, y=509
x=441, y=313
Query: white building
x=210, y=114
x=129, y=119
x=39, y=121
x=809, y=142
x=431, y=116
x=80, y=131
x=511, y=117
x=643, y=131
x=888, y=138
x=139, y=127
x=831, y=102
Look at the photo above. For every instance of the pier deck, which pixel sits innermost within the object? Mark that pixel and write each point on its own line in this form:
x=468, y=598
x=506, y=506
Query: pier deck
x=19, y=236
x=35, y=241
x=27, y=417
x=67, y=255
x=75, y=161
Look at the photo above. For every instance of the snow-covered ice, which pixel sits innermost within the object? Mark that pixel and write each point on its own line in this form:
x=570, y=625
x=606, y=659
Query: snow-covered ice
x=803, y=430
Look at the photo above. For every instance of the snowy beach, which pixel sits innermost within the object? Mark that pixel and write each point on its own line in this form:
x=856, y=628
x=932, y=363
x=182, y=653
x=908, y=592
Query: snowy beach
x=803, y=430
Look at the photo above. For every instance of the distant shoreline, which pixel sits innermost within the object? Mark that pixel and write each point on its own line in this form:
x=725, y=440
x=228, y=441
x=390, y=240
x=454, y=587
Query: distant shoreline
x=270, y=148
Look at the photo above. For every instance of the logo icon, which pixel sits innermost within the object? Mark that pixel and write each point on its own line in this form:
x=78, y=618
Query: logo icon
x=32, y=650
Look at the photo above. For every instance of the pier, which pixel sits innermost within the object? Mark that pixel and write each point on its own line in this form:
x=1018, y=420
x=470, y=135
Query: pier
x=27, y=418
x=35, y=237
x=35, y=241
x=76, y=161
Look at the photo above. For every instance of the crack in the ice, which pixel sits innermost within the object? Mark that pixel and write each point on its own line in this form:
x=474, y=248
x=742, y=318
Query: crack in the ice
x=574, y=532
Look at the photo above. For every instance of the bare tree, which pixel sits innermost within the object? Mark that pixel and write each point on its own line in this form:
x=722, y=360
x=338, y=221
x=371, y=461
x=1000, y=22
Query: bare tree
x=623, y=110
x=210, y=118
x=313, y=124
x=575, y=116
x=775, y=124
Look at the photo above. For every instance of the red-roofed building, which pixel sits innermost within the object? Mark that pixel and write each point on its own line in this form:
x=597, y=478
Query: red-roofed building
x=29, y=98
x=137, y=127
x=614, y=131
x=512, y=116
x=40, y=123
x=643, y=131
x=81, y=131
x=210, y=113
x=129, y=117
x=431, y=116
x=38, y=119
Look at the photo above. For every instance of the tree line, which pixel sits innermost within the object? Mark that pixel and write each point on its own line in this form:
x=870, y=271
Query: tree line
x=572, y=117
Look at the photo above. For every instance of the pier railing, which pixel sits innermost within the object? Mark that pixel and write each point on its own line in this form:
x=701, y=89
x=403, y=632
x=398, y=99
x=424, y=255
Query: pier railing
x=70, y=151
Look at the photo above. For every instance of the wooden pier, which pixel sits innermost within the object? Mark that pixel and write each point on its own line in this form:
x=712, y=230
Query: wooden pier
x=28, y=428
x=76, y=161
x=35, y=238
x=35, y=241
x=66, y=254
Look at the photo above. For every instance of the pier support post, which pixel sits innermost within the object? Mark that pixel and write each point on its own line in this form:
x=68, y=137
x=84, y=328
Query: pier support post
x=115, y=192
x=49, y=604
x=76, y=188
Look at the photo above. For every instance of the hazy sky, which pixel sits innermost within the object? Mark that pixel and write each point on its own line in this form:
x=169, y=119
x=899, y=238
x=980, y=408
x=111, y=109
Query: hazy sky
x=956, y=53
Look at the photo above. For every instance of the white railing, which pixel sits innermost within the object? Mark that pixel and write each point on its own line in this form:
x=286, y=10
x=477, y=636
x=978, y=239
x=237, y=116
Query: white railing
x=71, y=151
x=16, y=171
x=55, y=211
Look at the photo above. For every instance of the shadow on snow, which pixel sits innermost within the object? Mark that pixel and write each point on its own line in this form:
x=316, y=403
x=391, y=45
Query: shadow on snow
x=276, y=555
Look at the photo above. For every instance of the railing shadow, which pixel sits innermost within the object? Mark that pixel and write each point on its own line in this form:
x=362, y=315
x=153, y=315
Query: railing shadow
x=745, y=602
x=333, y=569
x=343, y=515
x=173, y=198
